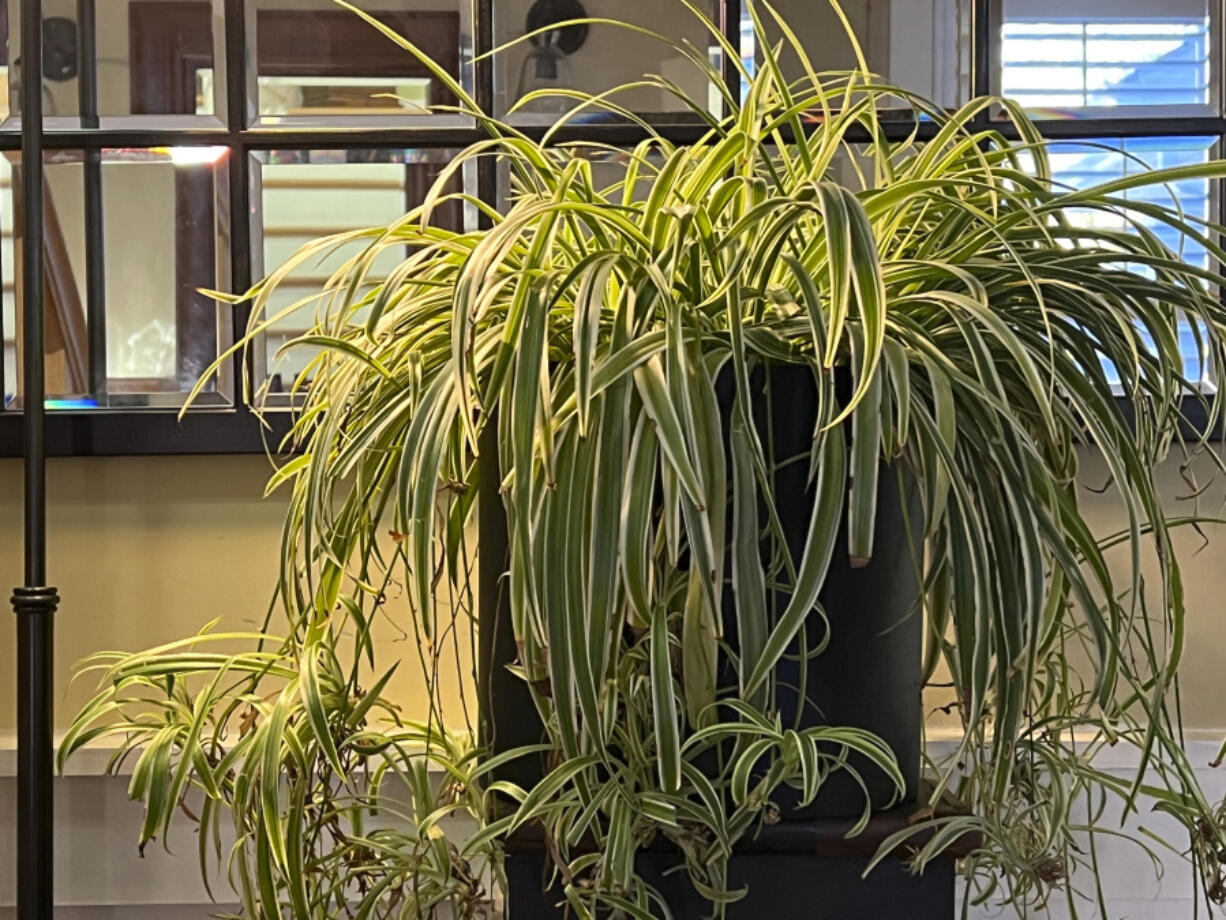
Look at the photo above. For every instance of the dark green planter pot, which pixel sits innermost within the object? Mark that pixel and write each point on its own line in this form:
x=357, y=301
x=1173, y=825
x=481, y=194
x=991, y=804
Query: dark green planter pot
x=870, y=673
x=869, y=676
x=800, y=870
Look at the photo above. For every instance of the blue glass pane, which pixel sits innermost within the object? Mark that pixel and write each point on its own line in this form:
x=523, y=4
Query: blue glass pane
x=1103, y=61
x=1078, y=62
x=1080, y=164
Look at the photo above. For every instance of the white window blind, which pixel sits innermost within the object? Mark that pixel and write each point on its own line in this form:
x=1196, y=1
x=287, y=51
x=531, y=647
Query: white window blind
x=1091, y=64
x=1076, y=62
x=1094, y=55
x=1084, y=163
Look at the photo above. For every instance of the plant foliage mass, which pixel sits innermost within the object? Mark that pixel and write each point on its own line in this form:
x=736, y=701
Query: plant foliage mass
x=980, y=317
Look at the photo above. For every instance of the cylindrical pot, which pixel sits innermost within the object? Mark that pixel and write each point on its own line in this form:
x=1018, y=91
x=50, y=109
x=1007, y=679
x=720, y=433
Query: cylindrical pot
x=869, y=676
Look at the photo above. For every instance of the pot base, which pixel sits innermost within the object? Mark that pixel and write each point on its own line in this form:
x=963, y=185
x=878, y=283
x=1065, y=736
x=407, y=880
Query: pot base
x=794, y=870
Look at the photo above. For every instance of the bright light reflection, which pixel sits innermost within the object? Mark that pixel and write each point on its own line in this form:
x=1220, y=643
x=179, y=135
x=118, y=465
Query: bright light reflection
x=195, y=156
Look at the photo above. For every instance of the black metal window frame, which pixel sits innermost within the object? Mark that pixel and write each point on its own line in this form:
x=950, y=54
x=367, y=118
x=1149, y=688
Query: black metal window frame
x=235, y=429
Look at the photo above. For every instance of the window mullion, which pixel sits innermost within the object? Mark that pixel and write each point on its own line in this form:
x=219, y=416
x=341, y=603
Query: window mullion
x=1209, y=371
x=1085, y=64
x=985, y=38
x=730, y=27
x=95, y=242
x=239, y=175
x=237, y=40
x=483, y=90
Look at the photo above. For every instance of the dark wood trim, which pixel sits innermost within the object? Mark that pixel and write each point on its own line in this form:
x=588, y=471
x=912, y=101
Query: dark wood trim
x=418, y=177
x=171, y=39
x=339, y=44
x=168, y=41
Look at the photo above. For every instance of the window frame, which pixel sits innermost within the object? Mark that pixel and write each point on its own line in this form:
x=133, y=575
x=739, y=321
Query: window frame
x=235, y=429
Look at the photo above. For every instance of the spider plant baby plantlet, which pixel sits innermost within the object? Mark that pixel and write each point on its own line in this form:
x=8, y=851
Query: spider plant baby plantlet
x=705, y=385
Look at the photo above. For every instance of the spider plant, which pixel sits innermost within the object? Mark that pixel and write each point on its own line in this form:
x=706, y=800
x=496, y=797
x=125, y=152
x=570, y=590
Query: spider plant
x=987, y=329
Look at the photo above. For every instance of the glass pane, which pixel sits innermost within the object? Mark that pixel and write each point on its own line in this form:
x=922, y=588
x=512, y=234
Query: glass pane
x=1068, y=58
x=303, y=195
x=149, y=58
x=8, y=289
x=920, y=45
x=162, y=334
x=67, y=334
x=7, y=55
x=598, y=57
x=318, y=62
x=163, y=238
x=1081, y=164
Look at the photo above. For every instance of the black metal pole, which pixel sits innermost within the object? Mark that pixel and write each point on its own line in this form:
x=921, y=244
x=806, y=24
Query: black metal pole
x=95, y=265
x=34, y=602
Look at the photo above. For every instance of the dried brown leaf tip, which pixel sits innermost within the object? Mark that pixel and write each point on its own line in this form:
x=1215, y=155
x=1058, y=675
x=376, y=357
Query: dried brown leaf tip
x=246, y=722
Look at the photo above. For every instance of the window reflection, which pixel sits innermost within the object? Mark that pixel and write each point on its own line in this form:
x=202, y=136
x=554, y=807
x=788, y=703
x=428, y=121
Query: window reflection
x=67, y=333
x=146, y=53
x=594, y=58
x=920, y=45
x=163, y=239
x=1057, y=59
x=317, y=61
x=312, y=60
x=308, y=194
x=1081, y=164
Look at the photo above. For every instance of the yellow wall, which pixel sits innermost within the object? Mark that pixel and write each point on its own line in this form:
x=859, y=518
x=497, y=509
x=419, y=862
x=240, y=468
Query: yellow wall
x=144, y=550
x=1204, y=574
